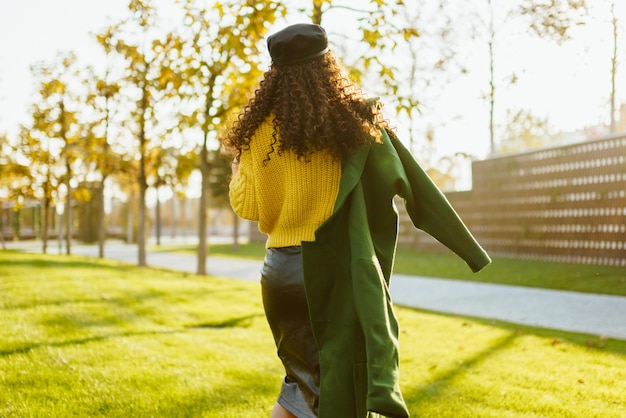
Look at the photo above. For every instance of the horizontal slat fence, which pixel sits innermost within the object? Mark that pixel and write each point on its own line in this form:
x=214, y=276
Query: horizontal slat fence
x=563, y=204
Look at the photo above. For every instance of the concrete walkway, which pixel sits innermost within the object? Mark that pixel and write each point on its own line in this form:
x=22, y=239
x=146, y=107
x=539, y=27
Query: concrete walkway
x=599, y=315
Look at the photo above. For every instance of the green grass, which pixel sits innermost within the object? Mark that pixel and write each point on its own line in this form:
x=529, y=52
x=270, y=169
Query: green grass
x=84, y=337
x=609, y=280
x=586, y=278
x=253, y=251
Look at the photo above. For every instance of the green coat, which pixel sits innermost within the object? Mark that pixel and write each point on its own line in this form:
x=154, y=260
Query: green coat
x=347, y=271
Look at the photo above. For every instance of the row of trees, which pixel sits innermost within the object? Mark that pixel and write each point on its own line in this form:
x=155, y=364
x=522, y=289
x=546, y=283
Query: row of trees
x=149, y=119
x=176, y=74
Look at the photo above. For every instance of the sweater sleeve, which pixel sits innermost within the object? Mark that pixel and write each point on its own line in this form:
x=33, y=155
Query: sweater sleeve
x=242, y=192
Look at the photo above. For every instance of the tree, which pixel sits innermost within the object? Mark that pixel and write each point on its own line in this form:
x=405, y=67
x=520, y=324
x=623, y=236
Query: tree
x=614, y=62
x=553, y=19
x=102, y=156
x=219, y=63
x=220, y=176
x=42, y=161
x=143, y=81
x=429, y=49
x=126, y=180
x=186, y=163
x=380, y=31
x=550, y=19
x=404, y=52
x=525, y=131
x=51, y=142
x=162, y=170
x=4, y=182
x=15, y=179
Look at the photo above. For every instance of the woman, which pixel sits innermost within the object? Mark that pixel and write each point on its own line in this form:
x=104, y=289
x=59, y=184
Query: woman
x=304, y=119
x=317, y=168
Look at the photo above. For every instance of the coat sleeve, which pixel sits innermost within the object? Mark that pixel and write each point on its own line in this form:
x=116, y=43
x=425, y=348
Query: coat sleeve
x=431, y=212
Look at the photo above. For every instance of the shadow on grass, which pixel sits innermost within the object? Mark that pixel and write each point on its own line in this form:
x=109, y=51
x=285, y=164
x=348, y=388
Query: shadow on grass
x=80, y=341
x=420, y=396
x=586, y=340
x=242, y=322
x=442, y=381
x=239, y=322
x=558, y=336
x=127, y=301
x=48, y=262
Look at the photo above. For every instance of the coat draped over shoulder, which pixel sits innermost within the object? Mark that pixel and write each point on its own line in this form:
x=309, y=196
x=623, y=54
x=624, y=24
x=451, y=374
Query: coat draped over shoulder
x=347, y=270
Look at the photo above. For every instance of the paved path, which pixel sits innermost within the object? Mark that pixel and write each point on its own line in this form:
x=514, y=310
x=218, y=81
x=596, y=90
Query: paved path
x=568, y=311
x=601, y=315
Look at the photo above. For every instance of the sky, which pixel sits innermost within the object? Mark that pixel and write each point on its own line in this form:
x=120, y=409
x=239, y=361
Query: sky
x=569, y=85
x=32, y=31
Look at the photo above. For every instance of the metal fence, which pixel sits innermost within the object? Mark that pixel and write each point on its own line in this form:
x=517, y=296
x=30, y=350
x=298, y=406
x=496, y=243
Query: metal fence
x=564, y=204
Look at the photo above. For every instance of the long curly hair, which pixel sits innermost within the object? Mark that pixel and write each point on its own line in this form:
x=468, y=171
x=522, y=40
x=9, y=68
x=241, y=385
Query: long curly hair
x=315, y=107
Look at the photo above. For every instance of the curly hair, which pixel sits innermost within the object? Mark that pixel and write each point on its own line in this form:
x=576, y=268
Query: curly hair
x=314, y=106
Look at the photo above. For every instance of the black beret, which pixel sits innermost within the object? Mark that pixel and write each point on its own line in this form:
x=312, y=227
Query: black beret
x=297, y=43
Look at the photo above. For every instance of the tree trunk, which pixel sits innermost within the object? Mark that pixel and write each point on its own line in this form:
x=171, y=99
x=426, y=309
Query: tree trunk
x=44, y=232
x=130, y=228
x=183, y=217
x=68, y=177
x=101, y=223
x=143, y=186
x=158, y=217
x=203, y=212
x=174, y=218
x=141, y=220
x=4, y=245
x=205, y=168
x=105, y=172
x=59, y=231
x=68, y=212
x=235, y=232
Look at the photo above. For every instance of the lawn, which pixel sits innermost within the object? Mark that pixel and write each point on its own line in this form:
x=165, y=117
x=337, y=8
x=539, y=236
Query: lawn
x=608, y=280
x=92, y=338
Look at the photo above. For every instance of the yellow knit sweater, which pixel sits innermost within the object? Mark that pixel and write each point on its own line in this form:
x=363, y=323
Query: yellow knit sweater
x=289, y=198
